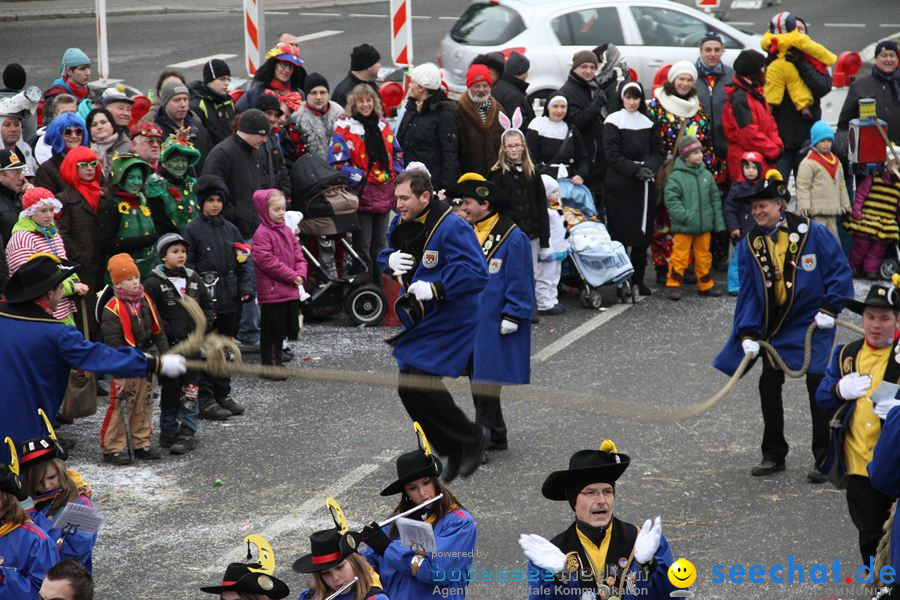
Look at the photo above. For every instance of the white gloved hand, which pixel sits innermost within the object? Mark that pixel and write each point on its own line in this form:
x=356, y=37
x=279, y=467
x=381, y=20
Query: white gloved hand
x=750, y=347
x=172, y=366
x=400, y=262
x=422, y=290
x=824, y=321
x=546, y=254
x=647, y=542
x=507, y=327
x=853, y=386
x=884, y=407
x=542, y=553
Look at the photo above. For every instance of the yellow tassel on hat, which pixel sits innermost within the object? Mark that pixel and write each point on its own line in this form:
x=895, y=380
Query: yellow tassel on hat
x=337, y=513
x=47, y=423
x=13, y=457
x=774, y=174
x=266, y=558
x=608, y=446
x=423, y=441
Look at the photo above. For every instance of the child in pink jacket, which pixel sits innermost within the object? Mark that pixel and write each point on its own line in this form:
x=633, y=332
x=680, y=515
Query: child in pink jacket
x=280, y=270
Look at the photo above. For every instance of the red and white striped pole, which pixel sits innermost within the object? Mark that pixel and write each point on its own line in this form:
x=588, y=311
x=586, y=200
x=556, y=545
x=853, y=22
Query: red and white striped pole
x=254, y=35
x=401, y=33
x=102, y=48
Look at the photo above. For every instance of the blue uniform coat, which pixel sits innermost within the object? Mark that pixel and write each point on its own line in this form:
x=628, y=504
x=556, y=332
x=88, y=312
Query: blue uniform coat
x=509, y=294
x=451, y=261
x=28, y=553
x=79, y=546
x=455, y=536
x=884, y=473
x=36, y=354
x=819, y=279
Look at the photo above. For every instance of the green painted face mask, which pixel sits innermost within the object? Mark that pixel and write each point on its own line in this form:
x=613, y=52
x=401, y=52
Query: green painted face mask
x=133, y=181
x=177, y=165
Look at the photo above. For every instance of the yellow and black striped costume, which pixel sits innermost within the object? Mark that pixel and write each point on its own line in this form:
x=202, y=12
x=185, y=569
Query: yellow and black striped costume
x=879, y=212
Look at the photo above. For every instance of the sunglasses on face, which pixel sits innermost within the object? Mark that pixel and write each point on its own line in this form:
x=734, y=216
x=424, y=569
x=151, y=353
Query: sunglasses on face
x=73, y=131
x=86, y=164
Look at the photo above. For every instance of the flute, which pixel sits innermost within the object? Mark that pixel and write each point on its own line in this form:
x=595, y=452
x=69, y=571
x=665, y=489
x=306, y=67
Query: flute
x=414, y=509
x=343, y=588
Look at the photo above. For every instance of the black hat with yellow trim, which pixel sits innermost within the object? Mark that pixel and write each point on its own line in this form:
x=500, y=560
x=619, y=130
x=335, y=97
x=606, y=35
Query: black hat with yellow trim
x=605, y=465
x=252, y=578
x=415, y=465
x=879, y=296
x=43, y=448
x=40, y=274
x=772, y=188
x=328, y=547
x=9, y=474
x=475, y=186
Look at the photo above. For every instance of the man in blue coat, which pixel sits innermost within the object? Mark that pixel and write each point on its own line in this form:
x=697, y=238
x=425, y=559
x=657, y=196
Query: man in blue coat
x=598, y=556
x=436, y=257
x=37, y=351
x=503, y=339
x=792, y=273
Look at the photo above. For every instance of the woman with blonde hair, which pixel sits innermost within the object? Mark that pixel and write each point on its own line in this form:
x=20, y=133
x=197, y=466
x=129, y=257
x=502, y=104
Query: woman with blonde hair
x=333, y=565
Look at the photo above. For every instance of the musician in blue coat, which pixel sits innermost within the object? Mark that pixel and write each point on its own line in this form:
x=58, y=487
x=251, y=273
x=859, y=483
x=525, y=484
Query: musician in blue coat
x=599, y=555
x=884, y=473
x=436, y=257
x=37, y=351
x=792, y=273
x=503, y=339
x=412, y=574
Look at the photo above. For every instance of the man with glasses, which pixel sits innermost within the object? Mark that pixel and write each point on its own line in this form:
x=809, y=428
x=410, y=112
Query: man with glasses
x=146, y=142
x=479, y=128
x=210, y=100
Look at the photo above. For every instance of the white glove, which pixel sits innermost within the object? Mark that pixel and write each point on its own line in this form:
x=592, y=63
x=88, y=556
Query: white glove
x=647, y=542
x=507, y=327
x=884, y=407
x=853, y=386
x=421, y=290
x=542, y=553
x=400, y=262
x=546, y=254
x=750, y=347
x=172, y=366
x=824, y=321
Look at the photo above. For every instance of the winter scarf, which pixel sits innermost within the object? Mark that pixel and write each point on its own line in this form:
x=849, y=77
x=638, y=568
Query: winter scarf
x=79, y=91
x=89, y=190
x=131, y=300
x=374, y=142
x=704, y=71
x=483, y=109
x=280, y=87
x=28, y=224
x=829, y=162
x=678, y=106
x=892, y=79
x=101, y=148
x=612, y=65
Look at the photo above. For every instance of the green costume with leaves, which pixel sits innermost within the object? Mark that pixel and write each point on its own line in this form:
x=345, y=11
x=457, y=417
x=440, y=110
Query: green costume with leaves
x=174, y=195
x=134, y=215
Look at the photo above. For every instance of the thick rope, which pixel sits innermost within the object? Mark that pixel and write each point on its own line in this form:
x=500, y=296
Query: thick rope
x=223, y=359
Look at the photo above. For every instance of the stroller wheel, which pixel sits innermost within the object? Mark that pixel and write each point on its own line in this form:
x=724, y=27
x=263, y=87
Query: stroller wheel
x=591, y=298
x=888, y=267
x=366, y=305
x=634, y=294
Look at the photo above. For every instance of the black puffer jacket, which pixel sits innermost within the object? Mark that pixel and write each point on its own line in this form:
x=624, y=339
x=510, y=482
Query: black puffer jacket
x=243, y=170
x=176, y=321
x=430, y=137
x=213, y=254
x=528, y=203
x=586, y=114
x=215, y=111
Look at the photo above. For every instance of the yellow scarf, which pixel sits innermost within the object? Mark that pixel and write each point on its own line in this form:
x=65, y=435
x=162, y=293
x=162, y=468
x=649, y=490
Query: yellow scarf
x=777, y=252
x=596, y=555
x=483, y=227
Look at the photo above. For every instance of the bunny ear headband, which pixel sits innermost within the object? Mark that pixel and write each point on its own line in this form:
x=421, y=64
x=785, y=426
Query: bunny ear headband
x=508, y=125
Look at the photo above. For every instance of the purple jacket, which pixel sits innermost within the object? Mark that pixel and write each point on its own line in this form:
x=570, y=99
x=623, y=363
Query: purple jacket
x=277, y=257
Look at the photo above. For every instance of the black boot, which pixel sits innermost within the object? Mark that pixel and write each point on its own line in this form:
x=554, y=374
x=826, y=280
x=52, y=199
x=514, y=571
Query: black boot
x=270, y=357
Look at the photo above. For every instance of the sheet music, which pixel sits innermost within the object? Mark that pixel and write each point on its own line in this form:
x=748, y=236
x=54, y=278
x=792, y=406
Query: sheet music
x=418, y=535
x=78, y=518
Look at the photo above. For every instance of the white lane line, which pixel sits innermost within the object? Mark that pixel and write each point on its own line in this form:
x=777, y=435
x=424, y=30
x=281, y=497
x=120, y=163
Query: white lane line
x=448, y=18
x=318, y=34
x=742, y=23
x=199, y=61
x=892, y=25
x=421, y=17
x=579, y=332
x=272, y=12
x=312, y=14
x=314, y=505
x=367, y=15
x=845, y=24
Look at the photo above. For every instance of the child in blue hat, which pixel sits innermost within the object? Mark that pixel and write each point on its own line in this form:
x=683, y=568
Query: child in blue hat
x=821, y=189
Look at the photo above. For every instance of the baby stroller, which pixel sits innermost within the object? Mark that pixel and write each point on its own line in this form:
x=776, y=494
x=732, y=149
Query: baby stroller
x=598, y=260
x=338, y=278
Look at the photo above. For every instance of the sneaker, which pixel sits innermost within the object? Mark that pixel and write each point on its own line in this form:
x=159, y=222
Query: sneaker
x=767, y=467
x=556, y=310
x=231, y=406
x=673, y=293
x=814, y=476
x=713, y=292
x=185, y=443
x=150, y=453
x=117, y=458
x=214, y=412
x=246, y=348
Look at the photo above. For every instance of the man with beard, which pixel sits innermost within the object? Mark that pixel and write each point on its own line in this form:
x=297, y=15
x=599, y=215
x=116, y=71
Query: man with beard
x=313, y=125
x=479, y=128
x=210, y=100
x=598, y=556
x=146, y=142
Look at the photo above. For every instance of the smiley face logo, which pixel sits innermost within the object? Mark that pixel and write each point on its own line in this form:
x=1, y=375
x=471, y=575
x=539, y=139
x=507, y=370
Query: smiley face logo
x=682, y=573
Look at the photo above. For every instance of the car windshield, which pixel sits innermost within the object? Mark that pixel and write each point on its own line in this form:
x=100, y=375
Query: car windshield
x=665, y=27
x=487, y=25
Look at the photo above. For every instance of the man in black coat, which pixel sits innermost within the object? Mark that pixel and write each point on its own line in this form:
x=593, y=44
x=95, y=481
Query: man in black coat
x=175, y=114
x=364, y=64
x=586, y=104
x=210, y=100
x=511, y=91
x=883, y=85
x=12, y=184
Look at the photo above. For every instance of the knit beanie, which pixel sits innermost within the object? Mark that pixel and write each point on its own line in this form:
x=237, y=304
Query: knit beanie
x=210, y=185
x=254, y=120
x=711, y=36
x=363, y=57
x=550, y=185
x=14, y=77
x=478, y=73
x=267, y=102
x=214, y=69
x=121, y=266
x=73, y=57
x=885, y=45
x=427, y=75
x=517, y=64
x=783, y=22
x=749, y=62
x=170, y=89
x=682, y=67
x=686, y=145
x=37, y=197
x=584, y=56
x=820, y=131
x=314, y=80
x=169, y=239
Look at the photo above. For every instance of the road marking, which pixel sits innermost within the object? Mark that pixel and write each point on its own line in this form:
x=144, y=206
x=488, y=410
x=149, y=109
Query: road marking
x=421, y=17
x=580, y=331
x=367, y=15
x=199, y=61
x=317, y=35
x=742, y=23
x=313, y=506
x=272, y=12
x=845, y=24
x=311, y=14
x=448, y=18
x=892, y=25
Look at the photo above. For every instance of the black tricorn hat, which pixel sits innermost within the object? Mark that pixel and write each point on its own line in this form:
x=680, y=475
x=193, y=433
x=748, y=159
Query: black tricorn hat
x=42, y=273
x=328, y=549
x=43, y=448
x=770, y=189
x=878, y=296
x=239, y=578
x=585, y=467
x=415, y=465
x=9, y=474
x=480, y=190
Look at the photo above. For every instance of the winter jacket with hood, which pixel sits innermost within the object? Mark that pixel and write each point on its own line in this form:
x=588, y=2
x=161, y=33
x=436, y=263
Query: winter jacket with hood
x=215, y=111
x=749, y=126
x=277, y=257
x=693, y=200
x=430, y=136
x=512, y=93
x=162, y=285
x=818, y=193
x=243, y=170
x=479, y=143
x=527, y=202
